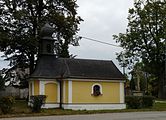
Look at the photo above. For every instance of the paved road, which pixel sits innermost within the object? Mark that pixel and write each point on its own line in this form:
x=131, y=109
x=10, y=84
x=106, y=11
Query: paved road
x=107, y=116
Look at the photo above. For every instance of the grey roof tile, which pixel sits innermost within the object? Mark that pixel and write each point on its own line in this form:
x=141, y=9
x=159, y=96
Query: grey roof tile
x=48, y=66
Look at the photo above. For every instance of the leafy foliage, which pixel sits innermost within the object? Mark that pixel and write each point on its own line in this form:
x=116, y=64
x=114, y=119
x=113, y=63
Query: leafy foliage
x=37, y=102
x=147, y=101
x=137, y=102
x=2, y=83
x=6, y=104
x=133, y=102
x=3, y=78
x=21, y=22
x=145, y=38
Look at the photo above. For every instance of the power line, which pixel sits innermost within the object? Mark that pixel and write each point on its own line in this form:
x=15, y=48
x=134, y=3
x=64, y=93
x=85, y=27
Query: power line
x=91, y=39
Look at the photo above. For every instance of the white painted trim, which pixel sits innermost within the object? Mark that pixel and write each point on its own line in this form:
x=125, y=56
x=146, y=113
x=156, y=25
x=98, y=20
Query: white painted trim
x=93, y=80
x=121, y=92
x=46, y=79
x=70, y=91
x=101, y=90
x=94, y=106
x=58, y=92
x=33, y=88
x=46, y=82
x=78, y=79
x=64, y=88
x=42, y=88
x=51, y=105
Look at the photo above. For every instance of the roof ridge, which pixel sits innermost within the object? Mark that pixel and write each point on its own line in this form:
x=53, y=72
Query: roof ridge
x=85, y=59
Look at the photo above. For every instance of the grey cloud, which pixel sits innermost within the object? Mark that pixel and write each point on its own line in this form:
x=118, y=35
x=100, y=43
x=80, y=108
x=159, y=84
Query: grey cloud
x=102, y=19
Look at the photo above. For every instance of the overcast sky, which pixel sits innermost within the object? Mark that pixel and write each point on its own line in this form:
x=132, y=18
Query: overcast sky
x=102, y=19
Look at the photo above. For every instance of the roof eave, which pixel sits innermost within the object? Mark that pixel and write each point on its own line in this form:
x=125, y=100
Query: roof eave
x=77, y=77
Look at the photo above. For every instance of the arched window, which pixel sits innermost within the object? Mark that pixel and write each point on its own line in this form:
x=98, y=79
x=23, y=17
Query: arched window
x=96, y=90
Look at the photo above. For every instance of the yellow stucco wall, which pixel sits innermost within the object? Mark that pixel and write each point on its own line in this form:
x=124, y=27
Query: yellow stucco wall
x=36, y=87
x=51, y=92
x=81, y=92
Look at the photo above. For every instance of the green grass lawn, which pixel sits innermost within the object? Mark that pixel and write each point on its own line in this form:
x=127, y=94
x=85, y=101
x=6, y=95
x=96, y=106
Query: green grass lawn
x=159, y=106
x=21, y=109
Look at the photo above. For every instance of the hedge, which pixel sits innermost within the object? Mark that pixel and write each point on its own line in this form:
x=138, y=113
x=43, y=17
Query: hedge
x=137, y=102
x=147, y=101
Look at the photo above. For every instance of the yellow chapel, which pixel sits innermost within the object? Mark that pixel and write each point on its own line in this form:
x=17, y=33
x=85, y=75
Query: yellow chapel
x=77, y=84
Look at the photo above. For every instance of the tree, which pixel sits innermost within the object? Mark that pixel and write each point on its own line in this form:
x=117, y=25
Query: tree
x=2, y=83
x=21, y=22
x=2, y=79
x=145, y=39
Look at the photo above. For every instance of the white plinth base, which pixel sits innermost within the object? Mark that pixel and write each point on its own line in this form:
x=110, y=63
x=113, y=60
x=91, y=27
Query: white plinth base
x=94, y=106
x=50, y=106
x=86, y=106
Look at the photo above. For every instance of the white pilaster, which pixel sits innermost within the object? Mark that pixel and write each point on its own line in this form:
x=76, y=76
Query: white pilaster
x=42, y=89
x=64, y=85
x=70, y=91
x=33, y=88
x=121, y=92
x=58, y=92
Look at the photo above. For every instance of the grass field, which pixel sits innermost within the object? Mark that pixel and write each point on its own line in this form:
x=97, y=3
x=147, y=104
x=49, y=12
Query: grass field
x=160, y=106
x=21, y=109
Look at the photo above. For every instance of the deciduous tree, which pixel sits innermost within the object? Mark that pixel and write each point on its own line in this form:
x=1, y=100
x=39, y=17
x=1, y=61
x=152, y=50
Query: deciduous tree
x=21, y=22
x=145, y=39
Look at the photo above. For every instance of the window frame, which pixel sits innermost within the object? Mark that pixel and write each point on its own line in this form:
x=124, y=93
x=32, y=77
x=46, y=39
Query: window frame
x=92, y=89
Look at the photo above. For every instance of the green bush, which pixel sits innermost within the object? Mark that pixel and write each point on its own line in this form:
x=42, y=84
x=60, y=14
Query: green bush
x=147, y=101
x=37, y=101
x=134, y=102
x=6, y=104
x=137, y=102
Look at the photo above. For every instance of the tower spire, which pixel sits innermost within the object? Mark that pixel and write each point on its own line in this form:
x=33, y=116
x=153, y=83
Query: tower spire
x=46, y=40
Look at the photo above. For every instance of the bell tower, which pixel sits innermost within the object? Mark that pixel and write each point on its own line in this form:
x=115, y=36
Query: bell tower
x=46, y=40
